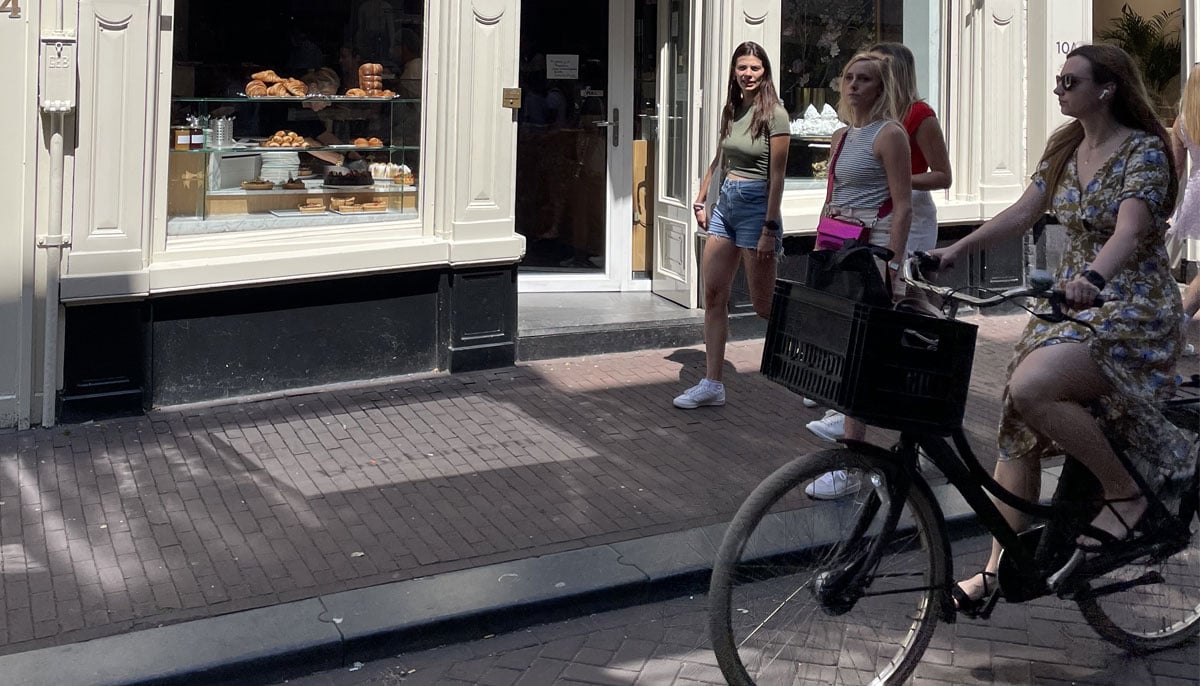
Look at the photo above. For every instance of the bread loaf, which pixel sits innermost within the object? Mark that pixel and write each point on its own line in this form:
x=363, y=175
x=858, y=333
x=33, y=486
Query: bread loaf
x=267, y=76
x=296, y=87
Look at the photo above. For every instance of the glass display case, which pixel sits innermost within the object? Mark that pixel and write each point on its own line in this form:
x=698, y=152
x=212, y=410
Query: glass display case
x=256, y=163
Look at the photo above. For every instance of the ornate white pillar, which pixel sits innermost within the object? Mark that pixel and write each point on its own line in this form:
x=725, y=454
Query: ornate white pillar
x=476, y=53
x=987, y=110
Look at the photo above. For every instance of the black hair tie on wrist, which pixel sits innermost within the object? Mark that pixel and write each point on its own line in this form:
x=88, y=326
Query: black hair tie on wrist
x=1093, y=277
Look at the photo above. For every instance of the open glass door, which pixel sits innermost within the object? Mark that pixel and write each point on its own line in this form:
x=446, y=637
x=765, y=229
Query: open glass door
x=674, y=238
x=573, y=196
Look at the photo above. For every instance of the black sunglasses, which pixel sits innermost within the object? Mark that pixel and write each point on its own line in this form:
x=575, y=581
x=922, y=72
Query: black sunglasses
x=1069, y=81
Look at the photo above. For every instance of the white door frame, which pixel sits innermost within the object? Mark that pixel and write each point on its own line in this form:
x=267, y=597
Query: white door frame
x=674, y=264
x=618, y=242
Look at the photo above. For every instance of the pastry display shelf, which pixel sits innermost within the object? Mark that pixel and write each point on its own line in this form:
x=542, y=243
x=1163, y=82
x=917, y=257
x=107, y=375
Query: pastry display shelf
x=242, y=149
x=301, y=99
x=320, y=190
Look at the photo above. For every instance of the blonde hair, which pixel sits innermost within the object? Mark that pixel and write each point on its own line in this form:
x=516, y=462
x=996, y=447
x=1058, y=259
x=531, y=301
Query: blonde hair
x=891, y=98
x=1189, y=105
x=904, y=66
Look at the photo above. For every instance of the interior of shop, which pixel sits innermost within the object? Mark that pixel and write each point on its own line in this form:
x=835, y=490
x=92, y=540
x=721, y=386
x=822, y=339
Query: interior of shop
x=297, y=114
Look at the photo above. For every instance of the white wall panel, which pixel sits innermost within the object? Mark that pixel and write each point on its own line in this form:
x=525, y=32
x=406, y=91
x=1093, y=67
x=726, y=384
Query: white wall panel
x=18, y=54
x=110, y=222
x=481, y=132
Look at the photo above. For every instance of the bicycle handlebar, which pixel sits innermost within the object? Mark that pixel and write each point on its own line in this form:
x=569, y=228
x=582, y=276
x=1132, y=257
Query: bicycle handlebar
x=1040, y=284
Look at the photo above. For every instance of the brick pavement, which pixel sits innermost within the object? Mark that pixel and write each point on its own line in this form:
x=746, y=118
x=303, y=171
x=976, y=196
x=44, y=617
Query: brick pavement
x=201, y=511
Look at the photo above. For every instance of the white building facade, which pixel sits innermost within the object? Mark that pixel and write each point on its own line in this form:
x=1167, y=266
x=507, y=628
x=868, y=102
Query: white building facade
x=522, y=151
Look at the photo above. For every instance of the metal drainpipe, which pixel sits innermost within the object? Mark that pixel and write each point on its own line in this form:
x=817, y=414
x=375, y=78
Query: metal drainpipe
x=53, y=244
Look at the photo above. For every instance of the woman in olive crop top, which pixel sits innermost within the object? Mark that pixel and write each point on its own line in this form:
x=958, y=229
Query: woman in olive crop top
x=745, y=221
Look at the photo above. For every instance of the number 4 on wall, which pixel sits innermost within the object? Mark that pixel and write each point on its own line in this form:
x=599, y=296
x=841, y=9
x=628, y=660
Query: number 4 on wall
x=13, y=7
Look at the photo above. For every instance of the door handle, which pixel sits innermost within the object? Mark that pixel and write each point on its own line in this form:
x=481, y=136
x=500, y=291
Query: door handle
x=614, y=124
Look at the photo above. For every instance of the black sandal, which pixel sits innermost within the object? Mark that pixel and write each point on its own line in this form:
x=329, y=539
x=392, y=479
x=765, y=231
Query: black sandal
x=974, y=607
x=1104, y=540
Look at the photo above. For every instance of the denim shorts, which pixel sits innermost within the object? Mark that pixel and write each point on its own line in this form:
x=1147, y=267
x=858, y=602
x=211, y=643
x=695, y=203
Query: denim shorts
x=740, y=212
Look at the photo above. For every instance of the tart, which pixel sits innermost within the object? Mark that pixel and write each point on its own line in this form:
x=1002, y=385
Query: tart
x=258, y=185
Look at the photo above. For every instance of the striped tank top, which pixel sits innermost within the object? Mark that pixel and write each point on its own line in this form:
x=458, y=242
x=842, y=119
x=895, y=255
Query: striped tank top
x=859, y=179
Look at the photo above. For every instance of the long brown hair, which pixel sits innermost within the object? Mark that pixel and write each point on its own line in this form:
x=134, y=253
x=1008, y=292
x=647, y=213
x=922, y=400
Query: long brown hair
x=1130, y=105
x=765, y=98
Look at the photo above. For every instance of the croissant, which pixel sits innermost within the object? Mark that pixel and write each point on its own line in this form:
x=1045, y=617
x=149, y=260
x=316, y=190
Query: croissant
x=356, y=92
x=296, y=87
x=277, y=90
x=256, y=89
x=375, y=143
x=387, y=94
x=267, y=76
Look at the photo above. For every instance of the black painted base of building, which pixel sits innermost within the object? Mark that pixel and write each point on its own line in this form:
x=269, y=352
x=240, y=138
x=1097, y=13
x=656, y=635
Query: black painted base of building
x=124, y=358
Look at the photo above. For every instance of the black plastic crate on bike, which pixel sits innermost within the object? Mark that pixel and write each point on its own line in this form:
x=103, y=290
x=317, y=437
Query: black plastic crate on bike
x=888, y=368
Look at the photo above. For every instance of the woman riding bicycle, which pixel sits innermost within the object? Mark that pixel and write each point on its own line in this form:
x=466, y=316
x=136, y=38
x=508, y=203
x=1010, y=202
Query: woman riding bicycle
x=1107, y=178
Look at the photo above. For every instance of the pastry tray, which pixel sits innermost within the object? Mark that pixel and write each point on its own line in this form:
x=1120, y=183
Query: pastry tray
x=348, y=188
x=297, y=213
x=358, y=212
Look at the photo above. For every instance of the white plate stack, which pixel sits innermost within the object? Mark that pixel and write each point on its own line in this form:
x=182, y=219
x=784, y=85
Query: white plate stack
x=279, y=166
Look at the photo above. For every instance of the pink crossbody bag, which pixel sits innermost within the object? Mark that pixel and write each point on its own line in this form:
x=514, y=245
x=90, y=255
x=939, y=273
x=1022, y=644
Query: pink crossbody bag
x=833, y=232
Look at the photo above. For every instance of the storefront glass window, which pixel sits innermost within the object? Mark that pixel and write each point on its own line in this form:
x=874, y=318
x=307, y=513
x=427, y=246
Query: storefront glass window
x=294, y=114
x=819, y=37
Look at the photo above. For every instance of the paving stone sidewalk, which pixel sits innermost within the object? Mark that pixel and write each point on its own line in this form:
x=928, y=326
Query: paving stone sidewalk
x=200, y=511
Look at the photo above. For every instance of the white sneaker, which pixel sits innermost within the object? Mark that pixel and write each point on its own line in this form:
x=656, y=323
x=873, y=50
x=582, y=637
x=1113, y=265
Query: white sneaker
x=834, y=485
x=808, y=402
x=831, y=427
x=707, y=392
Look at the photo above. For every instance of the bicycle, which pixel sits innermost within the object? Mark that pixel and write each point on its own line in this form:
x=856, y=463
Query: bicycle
x=851, y=590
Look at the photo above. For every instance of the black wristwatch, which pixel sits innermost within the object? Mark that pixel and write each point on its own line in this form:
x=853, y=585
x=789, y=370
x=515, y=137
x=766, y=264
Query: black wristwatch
x=771, y=226
x=1093, y=277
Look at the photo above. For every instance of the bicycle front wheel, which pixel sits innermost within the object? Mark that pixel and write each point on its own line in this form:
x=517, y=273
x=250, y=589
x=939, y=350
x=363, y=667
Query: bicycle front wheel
x=810, y=591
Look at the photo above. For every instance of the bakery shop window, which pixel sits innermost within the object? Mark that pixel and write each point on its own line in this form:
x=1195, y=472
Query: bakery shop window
x=294, y=114
x=818, y=38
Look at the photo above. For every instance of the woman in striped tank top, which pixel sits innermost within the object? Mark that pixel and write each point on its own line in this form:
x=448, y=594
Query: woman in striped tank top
x=872, y=182
x=930, y=170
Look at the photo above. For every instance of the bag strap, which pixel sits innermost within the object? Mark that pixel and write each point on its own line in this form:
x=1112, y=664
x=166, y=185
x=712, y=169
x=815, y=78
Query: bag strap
x=833, y=165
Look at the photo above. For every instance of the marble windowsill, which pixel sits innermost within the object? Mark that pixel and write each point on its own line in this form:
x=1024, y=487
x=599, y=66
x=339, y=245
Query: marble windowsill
x=188, y=226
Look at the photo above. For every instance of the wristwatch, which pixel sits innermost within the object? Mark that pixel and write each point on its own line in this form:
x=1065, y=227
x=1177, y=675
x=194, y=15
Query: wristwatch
x=894, y=266
x=771, y=226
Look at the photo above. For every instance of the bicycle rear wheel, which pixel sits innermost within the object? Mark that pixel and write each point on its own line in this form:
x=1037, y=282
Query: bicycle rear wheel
x=1155, y=616
x=777, y=612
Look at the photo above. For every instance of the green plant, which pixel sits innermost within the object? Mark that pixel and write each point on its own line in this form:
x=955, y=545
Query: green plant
x=1151, y=42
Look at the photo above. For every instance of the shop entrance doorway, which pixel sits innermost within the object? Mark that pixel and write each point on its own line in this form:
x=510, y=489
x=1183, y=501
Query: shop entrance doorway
x=573, y=185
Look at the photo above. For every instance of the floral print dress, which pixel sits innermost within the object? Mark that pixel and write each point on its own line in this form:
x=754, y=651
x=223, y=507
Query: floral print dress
x=1137, y=335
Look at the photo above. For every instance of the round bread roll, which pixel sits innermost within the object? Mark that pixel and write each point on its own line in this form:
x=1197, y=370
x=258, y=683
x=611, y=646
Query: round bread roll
x=372, y=69
x=386, y=94
x=375, y=142
x=361, y=142
x=356, y=93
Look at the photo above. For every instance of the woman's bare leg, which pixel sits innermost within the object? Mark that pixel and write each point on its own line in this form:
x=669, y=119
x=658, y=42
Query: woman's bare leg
x=1051, y=390
x=718, y=267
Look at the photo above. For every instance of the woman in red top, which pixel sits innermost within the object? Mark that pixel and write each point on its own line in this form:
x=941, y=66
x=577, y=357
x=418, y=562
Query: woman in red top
x=930, y=172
